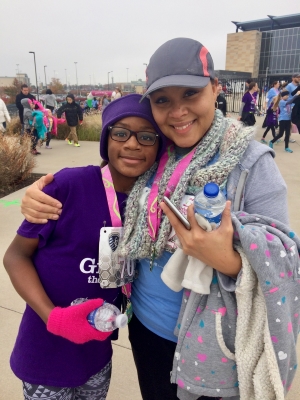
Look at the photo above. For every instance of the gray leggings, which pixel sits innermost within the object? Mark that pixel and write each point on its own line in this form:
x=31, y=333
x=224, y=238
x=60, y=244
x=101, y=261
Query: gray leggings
x=95, y=388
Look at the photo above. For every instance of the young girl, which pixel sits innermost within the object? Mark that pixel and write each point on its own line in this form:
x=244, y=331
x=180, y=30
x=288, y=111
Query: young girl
x=51, y=123
x=284, y=118
x=271, y=121
x=57, y=352
x=48, y=122
x=204, y=146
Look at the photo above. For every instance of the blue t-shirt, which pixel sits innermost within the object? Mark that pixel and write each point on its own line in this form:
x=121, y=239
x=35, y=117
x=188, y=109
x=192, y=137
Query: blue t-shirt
x=290, y=88
x=285, y=111
x=154, y=303
x=270, y=96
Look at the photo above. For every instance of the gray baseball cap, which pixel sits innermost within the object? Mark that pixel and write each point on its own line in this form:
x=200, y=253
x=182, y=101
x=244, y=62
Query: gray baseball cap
x=179, y=62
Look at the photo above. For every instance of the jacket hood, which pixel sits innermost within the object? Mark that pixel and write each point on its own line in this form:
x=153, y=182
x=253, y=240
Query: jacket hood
x=26, y=103
x=71, y=96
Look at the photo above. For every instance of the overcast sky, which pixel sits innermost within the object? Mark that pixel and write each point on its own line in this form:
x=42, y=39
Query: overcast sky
x=114, y=35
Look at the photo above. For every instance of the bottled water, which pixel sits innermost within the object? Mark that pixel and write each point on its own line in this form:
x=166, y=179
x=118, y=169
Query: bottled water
x=105, y=318
x=210, y=203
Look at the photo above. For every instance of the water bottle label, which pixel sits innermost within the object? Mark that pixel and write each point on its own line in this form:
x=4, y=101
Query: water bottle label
x=216, y=219
x=91, y=318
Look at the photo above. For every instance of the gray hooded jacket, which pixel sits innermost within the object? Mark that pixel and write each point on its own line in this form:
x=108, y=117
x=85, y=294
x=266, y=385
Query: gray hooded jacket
x=27, y=113
x=204, y=362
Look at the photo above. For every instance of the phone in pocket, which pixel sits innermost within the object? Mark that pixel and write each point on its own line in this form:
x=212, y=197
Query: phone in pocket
x=178, y=214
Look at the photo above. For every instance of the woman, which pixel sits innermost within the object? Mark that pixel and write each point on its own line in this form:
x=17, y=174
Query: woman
x=273, y=92
x=204, y=146
x=248, y=107
x=50, y=100
x=118, y=93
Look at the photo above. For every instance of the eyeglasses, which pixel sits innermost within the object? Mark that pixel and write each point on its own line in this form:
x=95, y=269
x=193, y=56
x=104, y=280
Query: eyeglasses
x=120, y=134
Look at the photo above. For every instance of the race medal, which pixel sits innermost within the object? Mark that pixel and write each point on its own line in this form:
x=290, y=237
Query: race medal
x=114, y=271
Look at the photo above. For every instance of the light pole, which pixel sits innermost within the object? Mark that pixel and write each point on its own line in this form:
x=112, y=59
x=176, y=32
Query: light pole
x=127, y=77
x=75, y=62
x=66, y=80
x=45, y=76
x=90, y=82
x=108, y=79
x=18, y=70
x=37, y=89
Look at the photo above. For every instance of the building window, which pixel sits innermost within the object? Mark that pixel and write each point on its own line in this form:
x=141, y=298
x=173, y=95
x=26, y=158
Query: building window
x=280, y=52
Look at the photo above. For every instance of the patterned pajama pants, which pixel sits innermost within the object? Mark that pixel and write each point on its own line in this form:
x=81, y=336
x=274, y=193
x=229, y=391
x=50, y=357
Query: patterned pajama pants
x=95, y=388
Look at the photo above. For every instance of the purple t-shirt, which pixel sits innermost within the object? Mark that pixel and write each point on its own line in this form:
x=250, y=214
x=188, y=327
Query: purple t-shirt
x=249, y=101
x=66, y=262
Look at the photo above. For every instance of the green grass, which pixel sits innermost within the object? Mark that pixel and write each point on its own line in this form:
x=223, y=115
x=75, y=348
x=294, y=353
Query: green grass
x=90, y=129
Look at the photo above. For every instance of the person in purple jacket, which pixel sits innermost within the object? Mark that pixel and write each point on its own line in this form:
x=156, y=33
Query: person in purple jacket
x=271, y=121
x=248, y=107
x=57, y=352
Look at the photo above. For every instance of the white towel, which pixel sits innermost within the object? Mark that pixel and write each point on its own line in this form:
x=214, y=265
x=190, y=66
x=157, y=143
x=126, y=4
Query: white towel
x=185, y=271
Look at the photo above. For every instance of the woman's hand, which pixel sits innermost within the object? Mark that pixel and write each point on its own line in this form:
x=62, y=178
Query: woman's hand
x=37, y=207
x=213, y=248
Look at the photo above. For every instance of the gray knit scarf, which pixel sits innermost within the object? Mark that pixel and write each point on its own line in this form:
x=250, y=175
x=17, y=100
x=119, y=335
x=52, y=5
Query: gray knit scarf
x=226, y=136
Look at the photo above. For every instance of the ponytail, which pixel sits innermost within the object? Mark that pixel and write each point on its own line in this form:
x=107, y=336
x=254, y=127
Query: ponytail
x=276, y=101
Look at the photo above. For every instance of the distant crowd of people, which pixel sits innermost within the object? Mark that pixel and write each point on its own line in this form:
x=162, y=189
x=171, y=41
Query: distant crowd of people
x=40, y=119
x=282, y=109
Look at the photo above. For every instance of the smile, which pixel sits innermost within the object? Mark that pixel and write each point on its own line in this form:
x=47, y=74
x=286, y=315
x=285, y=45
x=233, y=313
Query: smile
x=181, y=128
x=130, y=160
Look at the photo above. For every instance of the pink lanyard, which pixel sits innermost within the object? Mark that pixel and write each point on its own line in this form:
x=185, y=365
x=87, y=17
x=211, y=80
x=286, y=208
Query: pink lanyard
x=111, y=197
x=154, y=211
x=114, y=211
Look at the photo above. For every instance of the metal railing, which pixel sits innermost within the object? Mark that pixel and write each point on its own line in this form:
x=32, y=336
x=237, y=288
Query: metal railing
x=234, y=89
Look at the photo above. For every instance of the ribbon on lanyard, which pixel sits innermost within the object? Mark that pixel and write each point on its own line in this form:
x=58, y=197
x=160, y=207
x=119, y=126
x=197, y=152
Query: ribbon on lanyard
x=111, y=196
x=114, y=211
x=154, y=211
x=253, y=101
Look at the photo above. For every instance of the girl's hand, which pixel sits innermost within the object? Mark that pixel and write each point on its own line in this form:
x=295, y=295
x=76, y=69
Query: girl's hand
x=71, y=322
x=37, y=207
x=213, y=248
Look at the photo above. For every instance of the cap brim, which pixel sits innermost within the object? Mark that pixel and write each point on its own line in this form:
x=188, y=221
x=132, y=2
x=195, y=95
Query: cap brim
x=178, y=80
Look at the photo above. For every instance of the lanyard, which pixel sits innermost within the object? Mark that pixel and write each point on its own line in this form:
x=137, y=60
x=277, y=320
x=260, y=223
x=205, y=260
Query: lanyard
x=154, y=211
x=114, y=211
x=111, y=197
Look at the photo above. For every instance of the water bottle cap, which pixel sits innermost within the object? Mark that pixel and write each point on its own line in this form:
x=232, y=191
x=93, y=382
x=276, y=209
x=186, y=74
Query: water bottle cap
x=211, y=190
x=121, y=321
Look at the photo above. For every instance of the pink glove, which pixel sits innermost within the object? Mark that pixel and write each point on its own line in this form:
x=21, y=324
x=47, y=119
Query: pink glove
x=71, y=322
x=80, y=122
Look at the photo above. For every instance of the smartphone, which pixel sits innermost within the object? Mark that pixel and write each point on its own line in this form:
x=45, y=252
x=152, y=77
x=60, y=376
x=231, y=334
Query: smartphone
x=178, y=214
